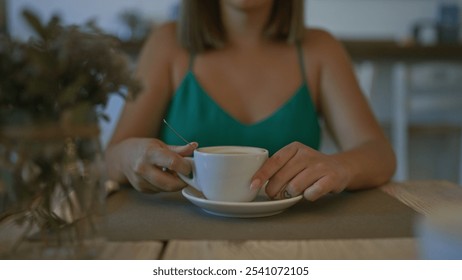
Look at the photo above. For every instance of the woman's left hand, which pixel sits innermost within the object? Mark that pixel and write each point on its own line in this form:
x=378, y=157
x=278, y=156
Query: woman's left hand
x=298, y=169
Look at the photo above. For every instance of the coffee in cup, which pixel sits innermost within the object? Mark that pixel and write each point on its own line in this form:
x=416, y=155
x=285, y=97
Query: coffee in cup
x=224, y=173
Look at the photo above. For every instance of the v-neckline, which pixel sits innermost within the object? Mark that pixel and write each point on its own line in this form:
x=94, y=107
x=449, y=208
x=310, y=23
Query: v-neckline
x=272, y=115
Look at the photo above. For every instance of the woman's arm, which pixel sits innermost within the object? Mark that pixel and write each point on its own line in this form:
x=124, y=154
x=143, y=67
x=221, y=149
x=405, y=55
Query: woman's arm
x=140, y=117
x=365, y=150
x=133, y=154
x=366, y=158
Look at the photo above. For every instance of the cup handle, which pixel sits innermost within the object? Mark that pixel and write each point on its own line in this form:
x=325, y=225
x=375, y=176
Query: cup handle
x=190, y=181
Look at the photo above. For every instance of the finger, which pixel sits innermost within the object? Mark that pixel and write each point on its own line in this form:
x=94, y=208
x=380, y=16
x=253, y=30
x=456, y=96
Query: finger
x=318, y=189
x=279, y=181
x=272, y=165
x=302, y=181
x=141, y=185
x=185, y=150
x=162, y=180
x=145, y=187
x=164, y=157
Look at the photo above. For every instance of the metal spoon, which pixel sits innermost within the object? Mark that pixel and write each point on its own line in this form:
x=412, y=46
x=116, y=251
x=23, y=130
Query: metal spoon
x=176, y=133
x=164, y=169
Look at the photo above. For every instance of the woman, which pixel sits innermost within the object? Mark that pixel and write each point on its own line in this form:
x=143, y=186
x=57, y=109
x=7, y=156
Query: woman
x=247, y=72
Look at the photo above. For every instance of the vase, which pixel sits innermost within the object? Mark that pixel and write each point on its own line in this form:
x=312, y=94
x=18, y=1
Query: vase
x=51, y=191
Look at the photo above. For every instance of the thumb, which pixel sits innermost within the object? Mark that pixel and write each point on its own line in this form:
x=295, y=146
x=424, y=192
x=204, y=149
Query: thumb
x=185, y=150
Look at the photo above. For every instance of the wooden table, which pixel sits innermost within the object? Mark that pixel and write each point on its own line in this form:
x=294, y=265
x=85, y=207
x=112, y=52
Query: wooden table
x=424, y=197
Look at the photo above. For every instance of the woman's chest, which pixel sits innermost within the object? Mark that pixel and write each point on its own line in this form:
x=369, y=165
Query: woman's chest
x=251, y=86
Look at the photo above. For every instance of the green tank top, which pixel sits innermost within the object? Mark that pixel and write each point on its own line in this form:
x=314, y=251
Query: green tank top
x=197, y=117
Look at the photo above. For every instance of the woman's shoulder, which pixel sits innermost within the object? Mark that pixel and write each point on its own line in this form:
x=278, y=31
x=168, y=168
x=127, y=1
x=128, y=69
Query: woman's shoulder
x=163, y=38
x=319, y=38
x=322, y=44
x=166, y=30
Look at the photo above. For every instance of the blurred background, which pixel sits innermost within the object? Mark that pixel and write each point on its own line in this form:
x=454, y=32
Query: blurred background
x=418, y=101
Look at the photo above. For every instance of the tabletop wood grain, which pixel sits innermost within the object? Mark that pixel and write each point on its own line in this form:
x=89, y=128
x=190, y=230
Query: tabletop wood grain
x=425, y=197
x=353, y=249
x=146, y=250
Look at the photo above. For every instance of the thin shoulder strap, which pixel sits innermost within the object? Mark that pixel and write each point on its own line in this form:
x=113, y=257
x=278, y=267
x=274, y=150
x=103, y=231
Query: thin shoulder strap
x=300, y=60
x=191, y=61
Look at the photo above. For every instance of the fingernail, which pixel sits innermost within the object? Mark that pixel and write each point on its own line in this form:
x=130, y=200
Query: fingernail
x=255, y=184
x=194, y=144
x=310, y=194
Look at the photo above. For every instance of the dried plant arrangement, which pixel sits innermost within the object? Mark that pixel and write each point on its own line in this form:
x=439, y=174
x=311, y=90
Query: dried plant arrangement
x=62, y=70
x=53, y=90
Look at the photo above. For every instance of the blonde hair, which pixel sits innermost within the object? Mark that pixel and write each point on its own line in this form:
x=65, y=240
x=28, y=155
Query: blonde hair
x=201, y=28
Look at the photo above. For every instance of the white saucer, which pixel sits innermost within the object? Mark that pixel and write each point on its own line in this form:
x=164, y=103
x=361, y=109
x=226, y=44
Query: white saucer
x=261, y=207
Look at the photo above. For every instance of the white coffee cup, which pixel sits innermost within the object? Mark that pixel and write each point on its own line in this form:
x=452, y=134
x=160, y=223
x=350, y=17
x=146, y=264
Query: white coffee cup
x=224, y=173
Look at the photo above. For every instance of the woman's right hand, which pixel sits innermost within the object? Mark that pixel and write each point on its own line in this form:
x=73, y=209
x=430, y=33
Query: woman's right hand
x=148, y=164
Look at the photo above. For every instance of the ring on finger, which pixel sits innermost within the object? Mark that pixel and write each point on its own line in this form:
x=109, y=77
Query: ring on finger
x=285, y=193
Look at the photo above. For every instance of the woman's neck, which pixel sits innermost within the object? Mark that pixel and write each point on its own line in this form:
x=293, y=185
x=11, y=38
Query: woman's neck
x=245, y=26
